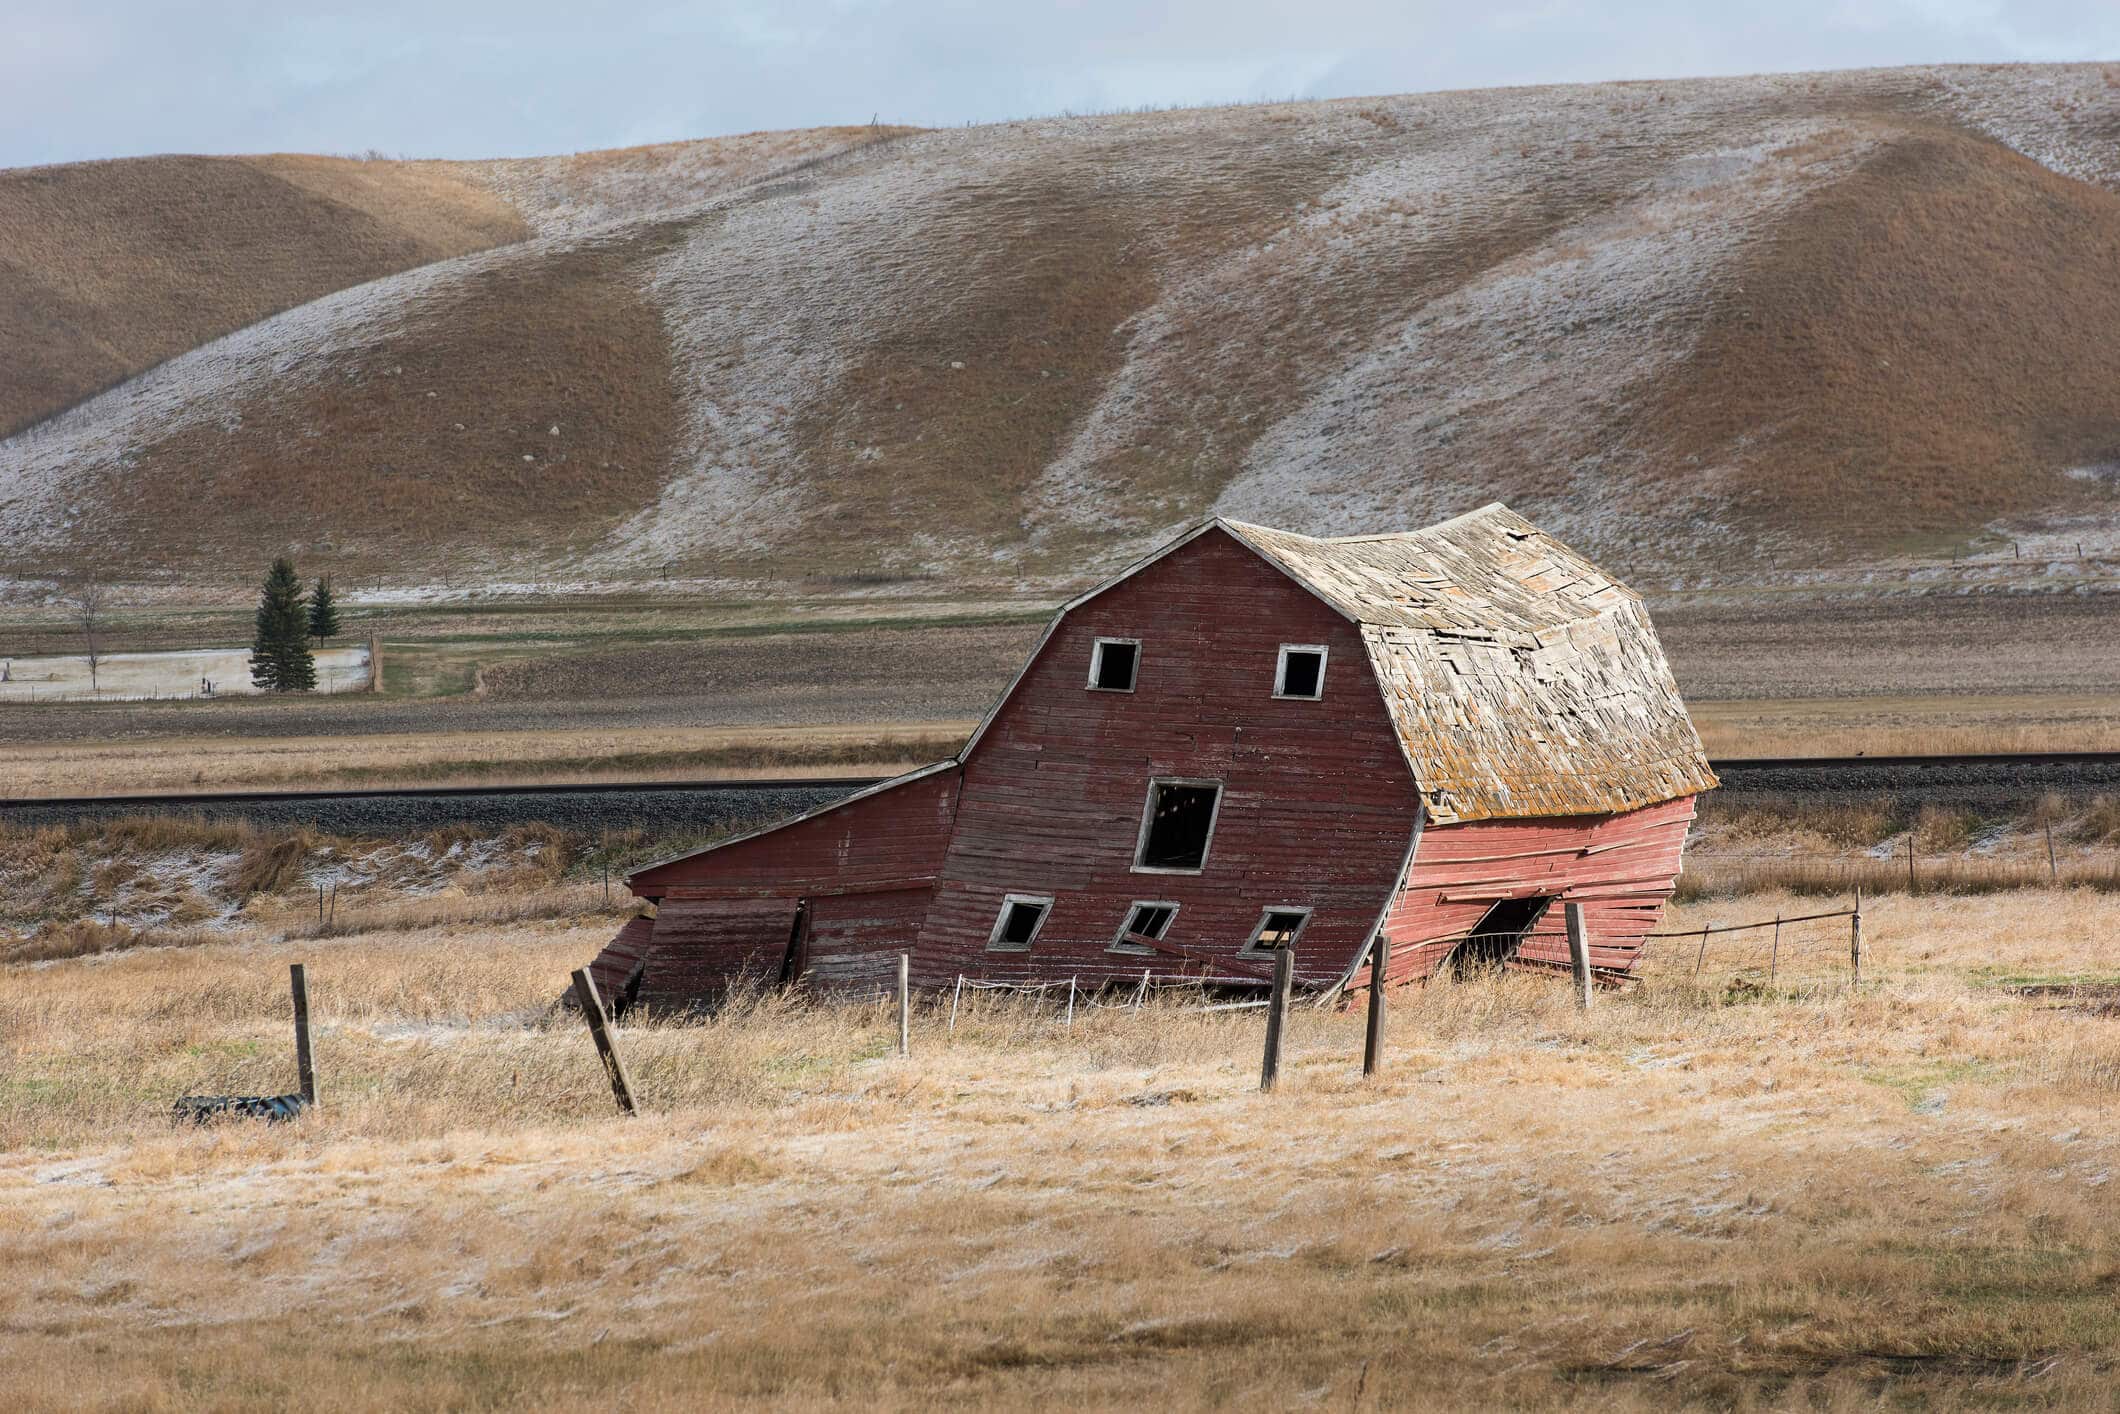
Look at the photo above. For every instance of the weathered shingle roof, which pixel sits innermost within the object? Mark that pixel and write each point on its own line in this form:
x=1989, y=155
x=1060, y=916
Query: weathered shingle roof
x=1522, y=679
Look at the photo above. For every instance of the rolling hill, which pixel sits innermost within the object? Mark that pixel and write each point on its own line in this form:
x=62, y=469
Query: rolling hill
x=1689, y=325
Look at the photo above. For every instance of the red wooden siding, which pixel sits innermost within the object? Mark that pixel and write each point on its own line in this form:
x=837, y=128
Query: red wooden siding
x=703, y=945
x=867, y=869
x=1621, y=868
x=886, y=839
x=1317, y=808
x=615, y=963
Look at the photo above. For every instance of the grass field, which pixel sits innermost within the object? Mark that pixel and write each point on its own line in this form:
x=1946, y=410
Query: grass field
x=412, y=759
x=1739, y=1198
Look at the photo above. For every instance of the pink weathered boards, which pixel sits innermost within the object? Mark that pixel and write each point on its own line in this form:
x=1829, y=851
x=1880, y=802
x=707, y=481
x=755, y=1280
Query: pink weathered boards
x=1251, y=740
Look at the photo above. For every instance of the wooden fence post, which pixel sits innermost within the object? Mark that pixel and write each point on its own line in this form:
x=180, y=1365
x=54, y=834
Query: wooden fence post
x=905, y=1004
x=2053, y=869
x=1579, y=952
x=956, y=997
x=1911, y=889
x=1774, y=957
x=1373, y=1037
x=1701, y=960
x=1855, y=939
x=304, y=1065
x=600, y=1032
x=1284, y=966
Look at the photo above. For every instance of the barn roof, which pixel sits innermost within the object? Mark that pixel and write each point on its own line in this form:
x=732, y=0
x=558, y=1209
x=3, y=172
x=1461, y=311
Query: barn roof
x=1522, y=679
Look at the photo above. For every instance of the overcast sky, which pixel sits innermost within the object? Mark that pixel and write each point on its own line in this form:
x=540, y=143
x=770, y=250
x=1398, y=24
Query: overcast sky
x=111, y=78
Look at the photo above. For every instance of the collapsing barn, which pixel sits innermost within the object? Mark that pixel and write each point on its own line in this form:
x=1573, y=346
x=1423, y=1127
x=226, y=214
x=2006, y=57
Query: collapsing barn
x=1252, y=740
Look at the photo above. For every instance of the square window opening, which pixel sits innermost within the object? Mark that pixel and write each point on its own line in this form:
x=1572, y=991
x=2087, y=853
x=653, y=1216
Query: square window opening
x=1278, y=928
x=1146, y=920
x=1177, y=825
x=1113, y=663
x=1022, y=915
x=1301, y=671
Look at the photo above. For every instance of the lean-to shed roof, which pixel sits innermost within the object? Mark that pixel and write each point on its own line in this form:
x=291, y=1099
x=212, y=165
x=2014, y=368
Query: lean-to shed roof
x=1522, y=679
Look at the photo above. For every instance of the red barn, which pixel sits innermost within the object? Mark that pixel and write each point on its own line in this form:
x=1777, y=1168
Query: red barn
x=1250, y=740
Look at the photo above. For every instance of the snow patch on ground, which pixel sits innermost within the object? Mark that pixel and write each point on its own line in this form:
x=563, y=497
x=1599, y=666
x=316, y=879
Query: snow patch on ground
x=179, y=673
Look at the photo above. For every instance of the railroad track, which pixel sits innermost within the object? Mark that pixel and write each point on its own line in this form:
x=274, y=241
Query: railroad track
x=1975, y=781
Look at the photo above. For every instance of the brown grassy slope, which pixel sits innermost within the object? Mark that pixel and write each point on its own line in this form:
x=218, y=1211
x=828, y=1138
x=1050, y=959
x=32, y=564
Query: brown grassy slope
x=1656, y=317
x=587, y=188
x=111, y=267
x=518, y=408
x=1928, y=340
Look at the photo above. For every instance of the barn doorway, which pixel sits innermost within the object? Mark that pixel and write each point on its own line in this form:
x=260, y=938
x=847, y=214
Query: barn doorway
x=1497, y=936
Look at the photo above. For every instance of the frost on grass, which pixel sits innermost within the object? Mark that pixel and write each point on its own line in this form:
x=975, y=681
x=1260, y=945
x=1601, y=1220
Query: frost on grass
x=1031, y=349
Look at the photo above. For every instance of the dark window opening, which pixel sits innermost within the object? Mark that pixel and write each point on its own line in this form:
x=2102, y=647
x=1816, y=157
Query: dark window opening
x=1278, y=928
x=1180, y=821
x=1021, y=917
x=1112, y=665
x=1302, y=673
x=1147, y=920
x=1497, y=936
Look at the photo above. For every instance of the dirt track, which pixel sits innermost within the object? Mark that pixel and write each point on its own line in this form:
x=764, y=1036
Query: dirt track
x=1794, y=646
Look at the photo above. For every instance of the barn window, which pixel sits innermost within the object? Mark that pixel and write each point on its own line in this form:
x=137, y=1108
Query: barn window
x=1278, y=928
x=1147, y=920
x=1301, y=671
x=1022, y=915
x=1177, y=822
x=1112, y=662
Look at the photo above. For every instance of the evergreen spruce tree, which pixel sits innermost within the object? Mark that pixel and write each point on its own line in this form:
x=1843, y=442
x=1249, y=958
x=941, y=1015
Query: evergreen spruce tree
x=279, y=653
x=323, y=613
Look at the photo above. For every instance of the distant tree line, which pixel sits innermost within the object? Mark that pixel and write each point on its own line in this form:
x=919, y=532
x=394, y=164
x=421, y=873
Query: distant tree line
x=288, y=619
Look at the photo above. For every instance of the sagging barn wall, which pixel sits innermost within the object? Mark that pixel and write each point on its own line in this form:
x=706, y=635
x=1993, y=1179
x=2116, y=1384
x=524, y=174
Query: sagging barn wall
x=1621, y=868
x=835, y=896
x=1518, y=675
x=1317, y=809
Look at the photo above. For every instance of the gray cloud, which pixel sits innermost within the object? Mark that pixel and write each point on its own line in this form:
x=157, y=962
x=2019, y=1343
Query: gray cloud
x=488, y=79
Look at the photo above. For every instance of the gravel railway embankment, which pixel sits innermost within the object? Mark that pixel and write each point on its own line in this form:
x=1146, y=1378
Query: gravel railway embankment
x=1985, y=784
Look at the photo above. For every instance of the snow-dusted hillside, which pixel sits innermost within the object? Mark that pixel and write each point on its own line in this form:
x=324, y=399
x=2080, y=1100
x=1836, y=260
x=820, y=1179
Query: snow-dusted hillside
x=1683, y=324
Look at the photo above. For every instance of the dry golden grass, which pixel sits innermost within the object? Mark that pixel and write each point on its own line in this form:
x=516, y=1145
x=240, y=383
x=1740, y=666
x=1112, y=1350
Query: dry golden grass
x=182, y=766
x=1835, y=848
x=1807, y=1199
x=1909, y=725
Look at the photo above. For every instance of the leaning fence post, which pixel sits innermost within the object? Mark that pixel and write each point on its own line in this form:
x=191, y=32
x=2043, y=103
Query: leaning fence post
x=600, y=1032
x=304, y=1067
x=1774, y=957
x=955, y=997
x=1855, y=939
x=1373, y=1036
x=905, y=1004
x=2053, y=869
x=1284, y=961
x=1070, y=1001
x=1702, y=959
x=1579, y=953
x=1141, y=991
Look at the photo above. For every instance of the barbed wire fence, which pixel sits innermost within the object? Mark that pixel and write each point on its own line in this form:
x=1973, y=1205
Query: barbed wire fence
x=1804, y=954
x=1793, y=956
